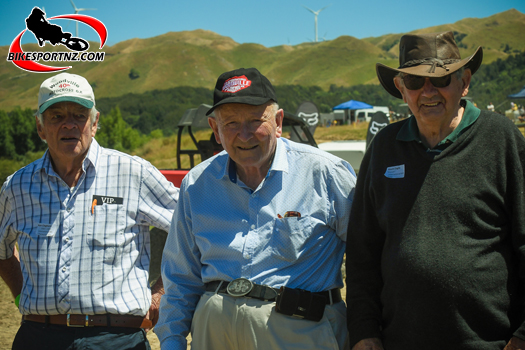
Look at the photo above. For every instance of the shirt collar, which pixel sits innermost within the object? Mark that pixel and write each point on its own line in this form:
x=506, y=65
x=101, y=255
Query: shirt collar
x=42, y=164
x=410, y=132
x=92, y=156
x=280, y=160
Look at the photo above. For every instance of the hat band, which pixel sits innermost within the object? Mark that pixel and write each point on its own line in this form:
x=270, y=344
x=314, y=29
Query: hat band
x=432, y=62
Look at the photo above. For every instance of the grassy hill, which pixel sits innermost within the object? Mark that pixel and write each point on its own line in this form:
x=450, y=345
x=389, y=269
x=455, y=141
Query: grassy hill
x=196, y=58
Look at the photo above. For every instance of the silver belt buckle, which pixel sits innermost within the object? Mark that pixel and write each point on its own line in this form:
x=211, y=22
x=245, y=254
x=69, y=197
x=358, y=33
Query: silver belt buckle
x=239, y=287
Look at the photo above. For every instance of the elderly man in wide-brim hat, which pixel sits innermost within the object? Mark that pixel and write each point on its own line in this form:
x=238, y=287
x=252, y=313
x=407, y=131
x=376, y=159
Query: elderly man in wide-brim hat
x=436, y=240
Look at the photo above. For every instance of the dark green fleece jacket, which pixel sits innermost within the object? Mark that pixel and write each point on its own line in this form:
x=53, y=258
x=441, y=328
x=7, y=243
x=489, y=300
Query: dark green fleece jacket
x=436, y=246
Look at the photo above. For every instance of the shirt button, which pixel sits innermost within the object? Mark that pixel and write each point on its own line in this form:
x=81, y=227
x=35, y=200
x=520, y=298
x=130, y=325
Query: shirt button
x=247, y=256
x=252, y=227
x=67, y=239
x=64, y=269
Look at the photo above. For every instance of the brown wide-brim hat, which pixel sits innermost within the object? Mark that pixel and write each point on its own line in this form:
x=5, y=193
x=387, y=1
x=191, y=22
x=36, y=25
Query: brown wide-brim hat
x=427, y=55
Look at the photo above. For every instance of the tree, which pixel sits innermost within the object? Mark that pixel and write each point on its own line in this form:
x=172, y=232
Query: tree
x=7, y=146
x=134, y=74
x=115, y=133
x=18, y=133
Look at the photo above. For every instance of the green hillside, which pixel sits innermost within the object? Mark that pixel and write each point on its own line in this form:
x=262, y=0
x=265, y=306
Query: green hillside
x=196, y=58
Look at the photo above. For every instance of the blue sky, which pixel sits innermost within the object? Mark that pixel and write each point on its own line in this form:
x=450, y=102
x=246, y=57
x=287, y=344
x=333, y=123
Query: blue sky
x=270, y=22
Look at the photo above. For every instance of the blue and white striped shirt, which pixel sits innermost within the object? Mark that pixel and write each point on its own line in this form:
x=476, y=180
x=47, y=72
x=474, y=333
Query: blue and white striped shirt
x=77, y=257
x=222, y=230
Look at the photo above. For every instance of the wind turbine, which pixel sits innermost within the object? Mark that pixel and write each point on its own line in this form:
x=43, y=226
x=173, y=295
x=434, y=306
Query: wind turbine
x=316, y=13
x=77, y=10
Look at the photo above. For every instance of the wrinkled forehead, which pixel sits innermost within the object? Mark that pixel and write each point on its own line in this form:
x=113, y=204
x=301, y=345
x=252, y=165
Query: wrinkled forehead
x=231, y=110
x=66, y=107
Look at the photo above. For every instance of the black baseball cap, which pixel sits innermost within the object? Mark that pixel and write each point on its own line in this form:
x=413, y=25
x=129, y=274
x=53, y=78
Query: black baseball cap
x=243, y=85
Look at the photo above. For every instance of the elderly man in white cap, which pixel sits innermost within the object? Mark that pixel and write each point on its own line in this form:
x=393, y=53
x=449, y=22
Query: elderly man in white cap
x=81, y=217
x=436, y=244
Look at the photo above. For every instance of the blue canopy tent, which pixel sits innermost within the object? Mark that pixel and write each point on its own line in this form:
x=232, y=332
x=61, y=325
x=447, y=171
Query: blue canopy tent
x=520, y=94
x=352, y=105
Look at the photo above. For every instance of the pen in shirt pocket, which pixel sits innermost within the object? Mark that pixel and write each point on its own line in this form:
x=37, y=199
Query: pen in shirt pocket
x=93, y=206
x=290, y=214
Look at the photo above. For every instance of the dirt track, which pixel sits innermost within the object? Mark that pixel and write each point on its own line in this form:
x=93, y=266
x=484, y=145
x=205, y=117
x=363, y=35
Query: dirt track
x=9, y=317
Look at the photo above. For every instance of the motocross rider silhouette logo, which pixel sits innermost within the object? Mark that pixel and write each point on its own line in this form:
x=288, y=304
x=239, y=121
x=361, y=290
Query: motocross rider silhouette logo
x=45, y=31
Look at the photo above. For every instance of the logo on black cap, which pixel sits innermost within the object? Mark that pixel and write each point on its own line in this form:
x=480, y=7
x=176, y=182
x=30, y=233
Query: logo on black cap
x=235, y=84
x=243, y=85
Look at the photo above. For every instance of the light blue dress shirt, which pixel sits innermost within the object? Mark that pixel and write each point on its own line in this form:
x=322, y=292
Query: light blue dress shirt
x=77, y=257
x=223, y=230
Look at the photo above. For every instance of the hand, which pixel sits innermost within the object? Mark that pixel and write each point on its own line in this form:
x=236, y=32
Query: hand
x=515, y=344
x=369, y=344
x=156, y=293
x=11, y=273
x=152, y=315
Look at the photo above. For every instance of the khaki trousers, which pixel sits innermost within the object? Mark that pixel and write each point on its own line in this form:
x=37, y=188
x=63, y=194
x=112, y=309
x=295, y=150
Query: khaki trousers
x=223, y=322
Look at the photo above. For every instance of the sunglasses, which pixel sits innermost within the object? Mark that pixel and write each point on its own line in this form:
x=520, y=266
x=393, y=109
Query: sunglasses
x=414, y=82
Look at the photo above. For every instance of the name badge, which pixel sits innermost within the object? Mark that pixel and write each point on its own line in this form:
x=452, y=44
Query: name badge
x=46, y=230
x=395, y=172
x=107, y=200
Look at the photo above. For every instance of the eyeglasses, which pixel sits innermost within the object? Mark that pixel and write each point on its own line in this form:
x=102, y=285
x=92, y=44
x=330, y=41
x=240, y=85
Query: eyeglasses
x=414, y=82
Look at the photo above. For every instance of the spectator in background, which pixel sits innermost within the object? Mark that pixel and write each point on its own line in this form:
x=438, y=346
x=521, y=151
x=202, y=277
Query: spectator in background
x=490, y=107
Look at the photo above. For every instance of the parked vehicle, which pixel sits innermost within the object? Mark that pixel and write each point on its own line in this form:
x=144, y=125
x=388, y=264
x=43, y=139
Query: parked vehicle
x=352, y=151
x=364, y=115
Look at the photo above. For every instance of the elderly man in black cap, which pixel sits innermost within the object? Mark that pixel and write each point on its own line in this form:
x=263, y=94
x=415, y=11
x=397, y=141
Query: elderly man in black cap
x=253, y=256
x=436, y=248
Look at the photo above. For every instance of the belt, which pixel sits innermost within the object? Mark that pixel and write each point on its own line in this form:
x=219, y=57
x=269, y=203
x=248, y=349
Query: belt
x=243, y=287
x=105, y=320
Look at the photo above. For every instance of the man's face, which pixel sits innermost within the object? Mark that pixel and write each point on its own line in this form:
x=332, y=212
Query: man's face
x=431, y=104
x=248, y=133
x=68, y=131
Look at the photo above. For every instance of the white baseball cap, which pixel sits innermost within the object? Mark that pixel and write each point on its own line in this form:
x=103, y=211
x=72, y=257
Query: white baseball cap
x=65, y=87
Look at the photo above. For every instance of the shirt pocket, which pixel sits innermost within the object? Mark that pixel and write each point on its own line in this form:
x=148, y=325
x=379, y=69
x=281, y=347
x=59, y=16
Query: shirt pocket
x=289, y=237
x=106, y=227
